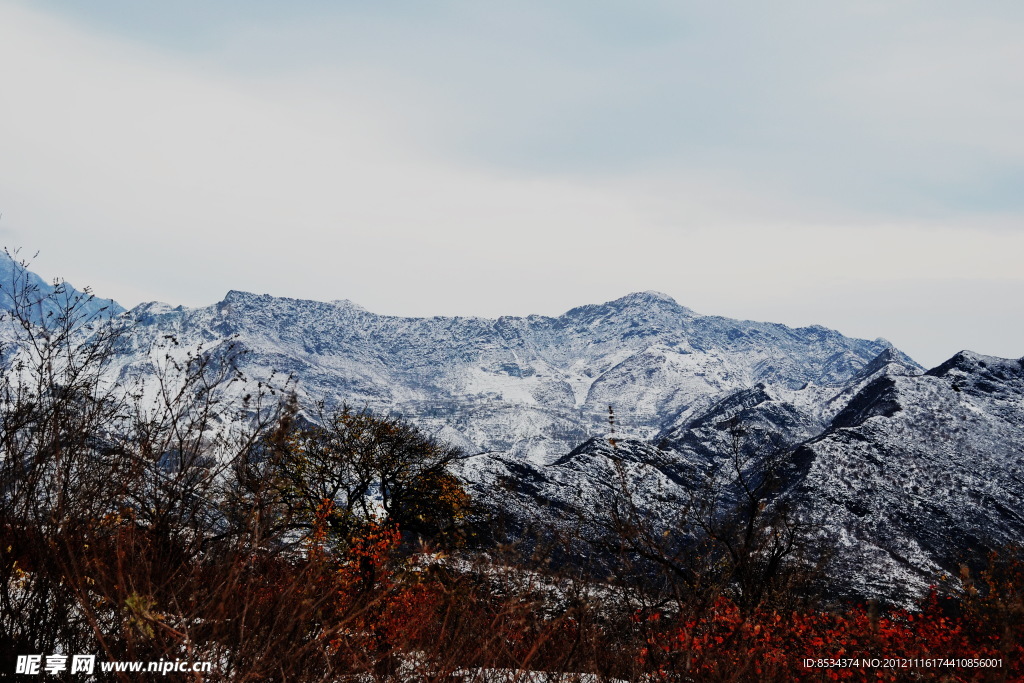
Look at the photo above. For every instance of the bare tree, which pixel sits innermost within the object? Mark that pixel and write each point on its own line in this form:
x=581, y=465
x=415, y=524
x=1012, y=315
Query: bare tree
x=732, y=531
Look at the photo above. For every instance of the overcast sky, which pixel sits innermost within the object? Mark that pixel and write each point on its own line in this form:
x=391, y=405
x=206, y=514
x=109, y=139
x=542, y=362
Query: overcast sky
x=856, y=164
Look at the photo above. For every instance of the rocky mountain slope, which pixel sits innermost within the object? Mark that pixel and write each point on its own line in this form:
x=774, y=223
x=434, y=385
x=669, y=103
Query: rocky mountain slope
x=532, y=387
x=904, y=471
x=40, y=298
x=917, y=472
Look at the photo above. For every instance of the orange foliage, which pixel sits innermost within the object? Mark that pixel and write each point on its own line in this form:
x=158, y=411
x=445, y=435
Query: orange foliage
x=372, y=611
x=852, y=645
x=375, y=607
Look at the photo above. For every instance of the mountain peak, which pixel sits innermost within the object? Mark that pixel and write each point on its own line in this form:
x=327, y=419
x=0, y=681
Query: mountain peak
x=348, y=304
x=16, y=280
x=972, y=363
x=238, y=295
x=646, y=297
x=891, y=359
x=648, y=300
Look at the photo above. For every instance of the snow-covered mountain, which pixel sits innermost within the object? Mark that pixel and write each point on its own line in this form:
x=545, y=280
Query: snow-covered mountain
x=531, y=387
x=915, y=473
x=907, y=471
x=20, y=286
x=921, y=472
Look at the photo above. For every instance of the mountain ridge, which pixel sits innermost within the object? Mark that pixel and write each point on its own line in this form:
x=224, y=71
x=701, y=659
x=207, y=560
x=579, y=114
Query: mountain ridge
x=534, y=384
x=903, y=466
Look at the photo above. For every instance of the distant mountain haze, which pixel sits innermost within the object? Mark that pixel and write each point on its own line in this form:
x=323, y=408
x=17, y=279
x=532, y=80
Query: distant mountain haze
x=19, y=283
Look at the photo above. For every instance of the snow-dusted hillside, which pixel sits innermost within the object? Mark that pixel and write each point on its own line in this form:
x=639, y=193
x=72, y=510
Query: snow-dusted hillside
x=532, y=387
x=907, y=471
x=17, y=284
x=918, y=473
x=914, y=475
